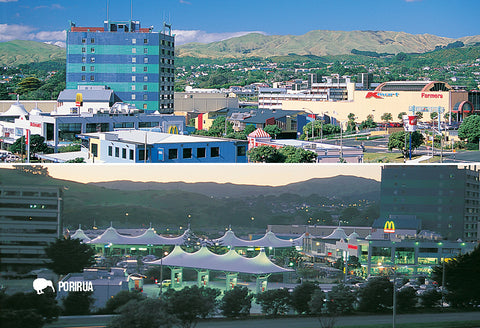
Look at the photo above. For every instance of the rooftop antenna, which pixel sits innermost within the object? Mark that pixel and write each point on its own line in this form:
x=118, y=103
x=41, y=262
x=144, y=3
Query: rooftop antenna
x=107, y=10
x=131, y=10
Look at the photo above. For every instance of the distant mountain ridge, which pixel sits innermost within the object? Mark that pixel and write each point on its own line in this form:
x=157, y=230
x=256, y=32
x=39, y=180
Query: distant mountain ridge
x=314, y=43
x=13, y=53
x=328, y=187
x=319, y=43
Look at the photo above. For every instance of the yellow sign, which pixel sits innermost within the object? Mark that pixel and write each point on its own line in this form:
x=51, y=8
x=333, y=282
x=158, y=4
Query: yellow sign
x=173, y=129
x=389, y=227
x=79, y=100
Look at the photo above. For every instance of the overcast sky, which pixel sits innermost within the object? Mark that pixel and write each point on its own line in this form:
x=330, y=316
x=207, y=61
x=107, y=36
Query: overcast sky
x=214, y=20
x=254, y=174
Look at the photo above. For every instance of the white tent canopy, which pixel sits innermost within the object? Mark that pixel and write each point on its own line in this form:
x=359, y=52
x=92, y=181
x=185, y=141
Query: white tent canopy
x=268, y=240
x=149, y=237
x=80, y=234
x=230, y=262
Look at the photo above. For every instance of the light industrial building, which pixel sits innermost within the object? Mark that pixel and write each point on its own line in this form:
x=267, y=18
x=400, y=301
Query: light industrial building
x=136, y=63
x=30, y=219
x=128, y=146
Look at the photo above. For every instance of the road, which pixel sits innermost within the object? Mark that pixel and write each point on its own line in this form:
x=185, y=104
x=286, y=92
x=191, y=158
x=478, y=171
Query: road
x=300, y=322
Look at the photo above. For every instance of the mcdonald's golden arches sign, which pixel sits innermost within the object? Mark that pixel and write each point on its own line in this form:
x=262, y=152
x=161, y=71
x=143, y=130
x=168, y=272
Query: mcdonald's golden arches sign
x=389, y=227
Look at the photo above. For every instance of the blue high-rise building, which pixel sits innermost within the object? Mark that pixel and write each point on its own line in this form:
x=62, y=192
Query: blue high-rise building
x=135, y=62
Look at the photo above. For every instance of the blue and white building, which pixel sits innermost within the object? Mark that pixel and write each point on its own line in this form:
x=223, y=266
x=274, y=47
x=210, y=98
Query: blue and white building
x=136, y=63
x=128, y=146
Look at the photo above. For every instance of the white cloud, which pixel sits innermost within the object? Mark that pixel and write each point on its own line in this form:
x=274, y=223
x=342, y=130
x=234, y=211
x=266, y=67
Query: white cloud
x=60, y=44
x=8, y=0
x=24, y=32
x=186, y=36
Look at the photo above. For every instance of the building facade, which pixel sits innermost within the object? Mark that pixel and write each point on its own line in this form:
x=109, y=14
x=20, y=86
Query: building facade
x=445, y=198
x=128, y=146
x=63, y=129
x=30, y=219
x=394, y=98
x=137, y=63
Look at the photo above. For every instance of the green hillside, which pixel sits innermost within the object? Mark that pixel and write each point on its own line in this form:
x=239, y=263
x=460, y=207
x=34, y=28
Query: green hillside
x=86, y=203
x=318, y=43
x=13, y=53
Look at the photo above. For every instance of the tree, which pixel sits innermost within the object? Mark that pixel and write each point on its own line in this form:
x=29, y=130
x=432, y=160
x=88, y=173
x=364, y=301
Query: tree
x=386, y=117
x=340, y=300
x=433, y=116
x=406, y=299
x=400, y=116
x=351, y=125
x=430, y=298
x=301, y=296
x=272, y=130
x=28, y=309
x=419, y=115
x=461, y=279
x=218, y=127
x=78, y=303
x=376, y=295
x=293, y=154
x=470, y=129
x=191, y=303
x=122, y=298
x=37, y=145
x=28, y=84
x=249, y=129
x=397, y=140
x=265, y=154
x=368, y=123
x=147, y=313
x=69, y=255
x=236, y=302
x=274, y=302
x=316, y=302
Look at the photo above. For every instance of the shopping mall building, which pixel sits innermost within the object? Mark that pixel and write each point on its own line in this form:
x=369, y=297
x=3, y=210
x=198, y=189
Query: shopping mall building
x=394, y=98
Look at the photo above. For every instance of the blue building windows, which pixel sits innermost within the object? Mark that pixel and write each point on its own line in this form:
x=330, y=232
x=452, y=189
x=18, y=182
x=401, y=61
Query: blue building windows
x=83, y=68
x=215, y=152
x=134, y=41
x=124, y=153
x=187, y=152
x=83, y=49
x=173, y=153
x=92, y=78
x=145, y=50
x=110, y=150
x=131, y=154
x=241, y=150
x=92, y=40
x=84, y=59
x=201, y=152
x=145, y=41
x=84, y=40
x=83, y=78
x=92, y=50
x=117, y=152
